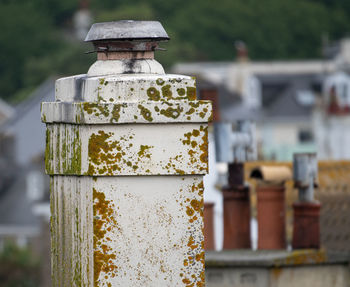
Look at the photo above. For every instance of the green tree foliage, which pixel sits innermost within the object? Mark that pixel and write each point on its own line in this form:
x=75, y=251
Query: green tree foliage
x=20, y=41
x=18, y=267
x=34, y=42
x=32, y=46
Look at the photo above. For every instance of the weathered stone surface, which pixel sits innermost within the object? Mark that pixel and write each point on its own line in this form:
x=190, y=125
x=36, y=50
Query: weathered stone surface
x=127, y=148
x=125, y=88
x=99, y=150
x=126, y=155
x=276, y=268
x=127, y=112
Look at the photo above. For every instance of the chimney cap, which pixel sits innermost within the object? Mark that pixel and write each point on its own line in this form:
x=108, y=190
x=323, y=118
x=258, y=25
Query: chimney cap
x=127, y=30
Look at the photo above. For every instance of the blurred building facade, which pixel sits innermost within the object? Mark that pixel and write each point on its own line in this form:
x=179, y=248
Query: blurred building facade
x=24, y=203
x=298, y=106
x=24, y=186
x=331, y=118
x=289, y=100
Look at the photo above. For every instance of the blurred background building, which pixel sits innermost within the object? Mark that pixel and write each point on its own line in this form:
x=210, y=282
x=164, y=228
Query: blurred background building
x=285, y=66
x=289, y=100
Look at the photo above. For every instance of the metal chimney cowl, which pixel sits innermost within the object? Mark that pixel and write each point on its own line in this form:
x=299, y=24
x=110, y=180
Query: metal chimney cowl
x=306, y=211
x=126, y=152
x=128, y=46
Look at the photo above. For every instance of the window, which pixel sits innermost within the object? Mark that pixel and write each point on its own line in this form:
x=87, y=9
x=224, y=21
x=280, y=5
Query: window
x=305, y=136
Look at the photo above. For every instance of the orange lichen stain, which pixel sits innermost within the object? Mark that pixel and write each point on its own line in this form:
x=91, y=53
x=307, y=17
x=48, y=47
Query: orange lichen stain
x=201, y=283
x=200, y=256
x=189, y=282
x=199, y=148
x=204, y=148
x=171, y=112
x=191, y=93
x=195, y=133
x=145, y=113
x=144, y=151
x=104, y=219
x=198, y=206
x=95, y=108
x=100, y=152
x=195, y=104
x=172, y=164
x=301, y=257
x=191, y=244
x=192, y=272
x=276, y=272
x=166, y=91
x=210, y=119
x=191, y=154
x=190, y=111
x=189, y=211
x=181, y=92
x=200, y=188
x=160, y=82
x=107, y=156
x=97, y=143
x=179, y=171
x=116, y=113
x=153, y=94
x=162, y=269
x=202, y=114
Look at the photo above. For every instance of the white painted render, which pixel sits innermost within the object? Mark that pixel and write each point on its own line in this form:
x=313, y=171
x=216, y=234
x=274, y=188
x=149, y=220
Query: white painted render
x=126, y=155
